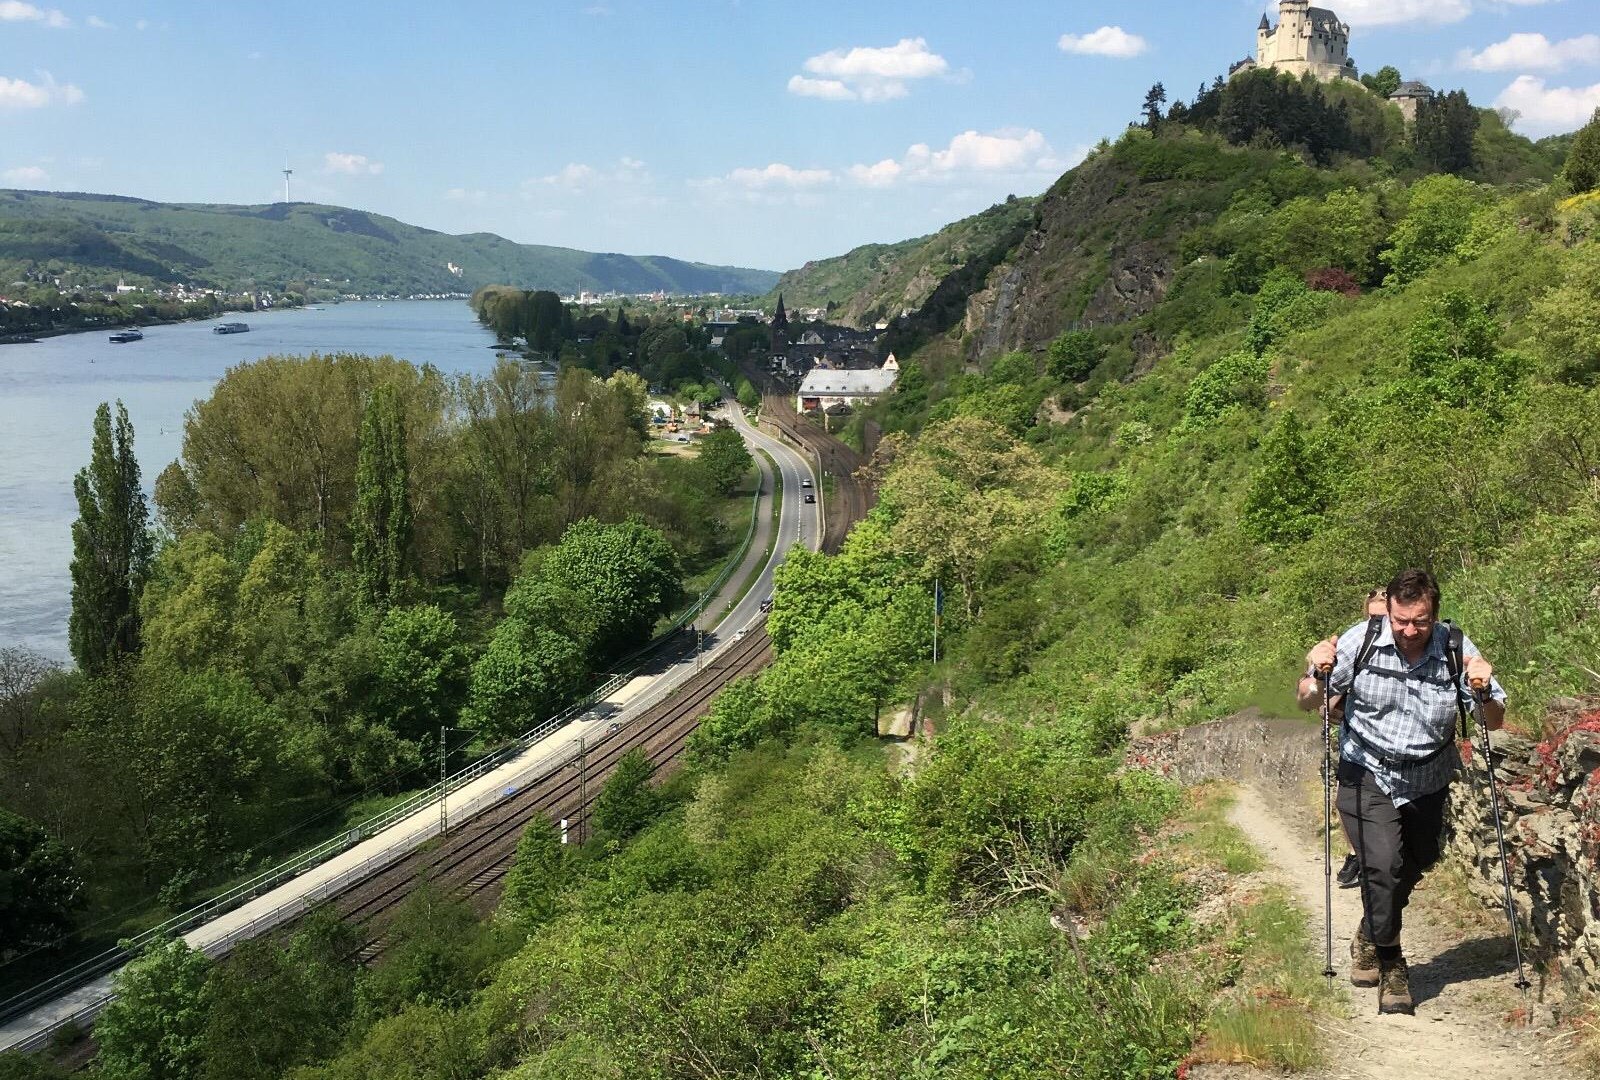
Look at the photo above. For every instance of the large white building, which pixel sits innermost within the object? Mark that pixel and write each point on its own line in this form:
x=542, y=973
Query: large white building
x=1307, y=40
x=824, y=388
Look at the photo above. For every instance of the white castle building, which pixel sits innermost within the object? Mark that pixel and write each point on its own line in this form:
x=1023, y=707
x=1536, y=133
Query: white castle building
x=1307, y=40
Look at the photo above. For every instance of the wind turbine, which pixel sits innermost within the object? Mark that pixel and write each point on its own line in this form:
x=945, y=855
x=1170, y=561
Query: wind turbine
x=287, y=172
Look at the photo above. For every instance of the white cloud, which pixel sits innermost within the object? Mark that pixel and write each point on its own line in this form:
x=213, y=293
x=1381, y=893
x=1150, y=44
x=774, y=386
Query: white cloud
x=21, y=94
x=141, y=24
x=579, y=176
x=866, y=73
x=780, y=175
x=17, y=11
x=969, y=154
x=1364, y=13
x=828, y=89
x=1532, y=52
x=883, y=174
x=1111, y=41
x=350, y=164
x=1546, y=110
x=473, y=195
x=97, y=23
x=25, y=176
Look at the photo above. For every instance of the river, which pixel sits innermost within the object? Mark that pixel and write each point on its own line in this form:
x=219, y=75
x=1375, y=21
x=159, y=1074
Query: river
x=49, y=391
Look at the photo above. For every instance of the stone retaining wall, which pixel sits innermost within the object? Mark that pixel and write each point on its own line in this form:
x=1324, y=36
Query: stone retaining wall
x=1549, y=802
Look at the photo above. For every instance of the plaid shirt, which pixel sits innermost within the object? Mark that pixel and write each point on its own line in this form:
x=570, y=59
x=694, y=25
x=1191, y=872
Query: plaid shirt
x=1400, y=713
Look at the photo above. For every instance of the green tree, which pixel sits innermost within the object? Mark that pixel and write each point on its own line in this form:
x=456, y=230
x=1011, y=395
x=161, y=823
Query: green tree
x=155, y=1026
x=1444, y=131
x=1582, y=169
x=1155, y=99
x=1073, y=356
x=40, y=889
x=381, y=521
x=525, y=675
x=627, y=802
x=1565, y=322
x=1383, y=82
x=724, y=460
x=1438, y=219
x=538, y=874
x=606, y=585
x=1285, y=497
x=1238, y=380
x=110, y=547
x=424, y=670
x=1454, y=348
x=273, y=1008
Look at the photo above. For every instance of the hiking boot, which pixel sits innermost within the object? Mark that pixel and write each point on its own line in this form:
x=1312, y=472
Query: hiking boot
x=1363, y=960
x=1394, y=992
x=1349, y=875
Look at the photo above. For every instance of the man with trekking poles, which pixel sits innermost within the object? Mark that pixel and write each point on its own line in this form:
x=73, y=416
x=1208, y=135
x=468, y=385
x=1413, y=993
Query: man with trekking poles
x=1405, y=680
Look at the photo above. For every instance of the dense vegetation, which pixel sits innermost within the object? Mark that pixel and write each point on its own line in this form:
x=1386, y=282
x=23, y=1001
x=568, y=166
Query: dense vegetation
x=1356, y=366
x=305, y=246
x=672, y=356
x=351, y=555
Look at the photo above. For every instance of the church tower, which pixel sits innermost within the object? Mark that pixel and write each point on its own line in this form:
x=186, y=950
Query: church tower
x=780, y=327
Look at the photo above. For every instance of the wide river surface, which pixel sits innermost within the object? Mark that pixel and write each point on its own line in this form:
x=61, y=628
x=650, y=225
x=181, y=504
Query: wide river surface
x=49, y=392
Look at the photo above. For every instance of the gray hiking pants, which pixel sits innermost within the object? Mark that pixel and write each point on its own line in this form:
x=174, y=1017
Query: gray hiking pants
x=1394, y=845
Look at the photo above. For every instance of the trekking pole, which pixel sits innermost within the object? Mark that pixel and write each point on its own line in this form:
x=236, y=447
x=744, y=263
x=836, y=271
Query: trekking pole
x=1327, y=827
x=1479, y=693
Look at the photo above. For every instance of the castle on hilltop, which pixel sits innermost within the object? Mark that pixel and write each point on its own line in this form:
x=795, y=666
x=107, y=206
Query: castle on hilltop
x=1307, y=40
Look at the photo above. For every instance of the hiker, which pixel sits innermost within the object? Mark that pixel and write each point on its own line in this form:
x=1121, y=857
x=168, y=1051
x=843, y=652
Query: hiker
x=1309, y=692
x=1402, y=690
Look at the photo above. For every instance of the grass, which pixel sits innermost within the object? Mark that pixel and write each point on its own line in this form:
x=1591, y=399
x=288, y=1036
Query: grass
x=1272, y=986
x=1208, y=837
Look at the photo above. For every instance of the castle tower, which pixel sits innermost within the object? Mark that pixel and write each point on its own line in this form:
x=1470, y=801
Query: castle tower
x=1307, y=40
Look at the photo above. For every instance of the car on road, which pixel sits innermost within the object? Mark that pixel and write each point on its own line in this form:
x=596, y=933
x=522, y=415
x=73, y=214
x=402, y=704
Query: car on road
x=810, y=498
x=766, y=605
x=805, y=481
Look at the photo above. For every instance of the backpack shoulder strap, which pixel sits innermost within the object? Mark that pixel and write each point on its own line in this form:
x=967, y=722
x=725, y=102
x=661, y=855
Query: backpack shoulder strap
x=1368, y=647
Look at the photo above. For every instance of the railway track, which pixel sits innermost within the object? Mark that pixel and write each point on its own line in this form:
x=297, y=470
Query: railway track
x=472, y=861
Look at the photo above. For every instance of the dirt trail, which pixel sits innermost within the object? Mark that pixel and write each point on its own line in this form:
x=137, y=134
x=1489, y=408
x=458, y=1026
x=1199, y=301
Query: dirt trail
x=1461, y=981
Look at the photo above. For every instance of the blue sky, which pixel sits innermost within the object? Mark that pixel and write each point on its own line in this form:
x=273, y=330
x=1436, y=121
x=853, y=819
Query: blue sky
x=730, y=131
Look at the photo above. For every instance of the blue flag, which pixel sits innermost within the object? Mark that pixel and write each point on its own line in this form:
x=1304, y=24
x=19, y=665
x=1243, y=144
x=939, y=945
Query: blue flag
x=938, y=598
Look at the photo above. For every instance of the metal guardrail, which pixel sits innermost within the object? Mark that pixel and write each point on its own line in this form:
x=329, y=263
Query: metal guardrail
x=309, y=859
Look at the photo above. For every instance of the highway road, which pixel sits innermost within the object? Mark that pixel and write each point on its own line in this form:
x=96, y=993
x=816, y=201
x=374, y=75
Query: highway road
x=722, y=624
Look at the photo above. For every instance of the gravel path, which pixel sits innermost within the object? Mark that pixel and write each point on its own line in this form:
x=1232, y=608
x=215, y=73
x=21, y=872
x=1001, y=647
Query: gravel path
x=1461, y=980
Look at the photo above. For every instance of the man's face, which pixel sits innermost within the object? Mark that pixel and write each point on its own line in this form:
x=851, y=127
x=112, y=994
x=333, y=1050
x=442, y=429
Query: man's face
x=1412, y=622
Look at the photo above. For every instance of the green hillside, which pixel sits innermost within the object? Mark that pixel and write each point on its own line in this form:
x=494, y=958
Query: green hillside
x=285, y=244
x=877, y=281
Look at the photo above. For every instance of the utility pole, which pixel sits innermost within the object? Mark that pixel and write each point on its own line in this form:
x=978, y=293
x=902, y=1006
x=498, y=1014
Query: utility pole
x=583, y=793
x=444, y=775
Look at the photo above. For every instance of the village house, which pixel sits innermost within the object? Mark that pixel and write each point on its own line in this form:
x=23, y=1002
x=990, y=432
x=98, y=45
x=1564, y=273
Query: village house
x=840, y=391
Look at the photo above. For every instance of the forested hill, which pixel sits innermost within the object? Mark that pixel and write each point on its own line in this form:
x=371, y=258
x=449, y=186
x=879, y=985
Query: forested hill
x=286, y=245
x=877, y=281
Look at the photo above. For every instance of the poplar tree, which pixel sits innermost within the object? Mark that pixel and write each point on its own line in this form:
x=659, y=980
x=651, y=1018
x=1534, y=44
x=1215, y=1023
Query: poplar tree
x=382, y=519
x=110, y=547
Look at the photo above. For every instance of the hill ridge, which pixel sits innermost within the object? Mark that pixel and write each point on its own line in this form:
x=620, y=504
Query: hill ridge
x=233, y=245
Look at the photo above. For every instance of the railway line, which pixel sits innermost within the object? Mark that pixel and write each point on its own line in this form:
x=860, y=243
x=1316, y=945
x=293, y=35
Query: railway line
x=471, y=862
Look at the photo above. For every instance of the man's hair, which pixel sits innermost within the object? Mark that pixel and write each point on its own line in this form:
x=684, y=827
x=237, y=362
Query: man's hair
x=1409, y=586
